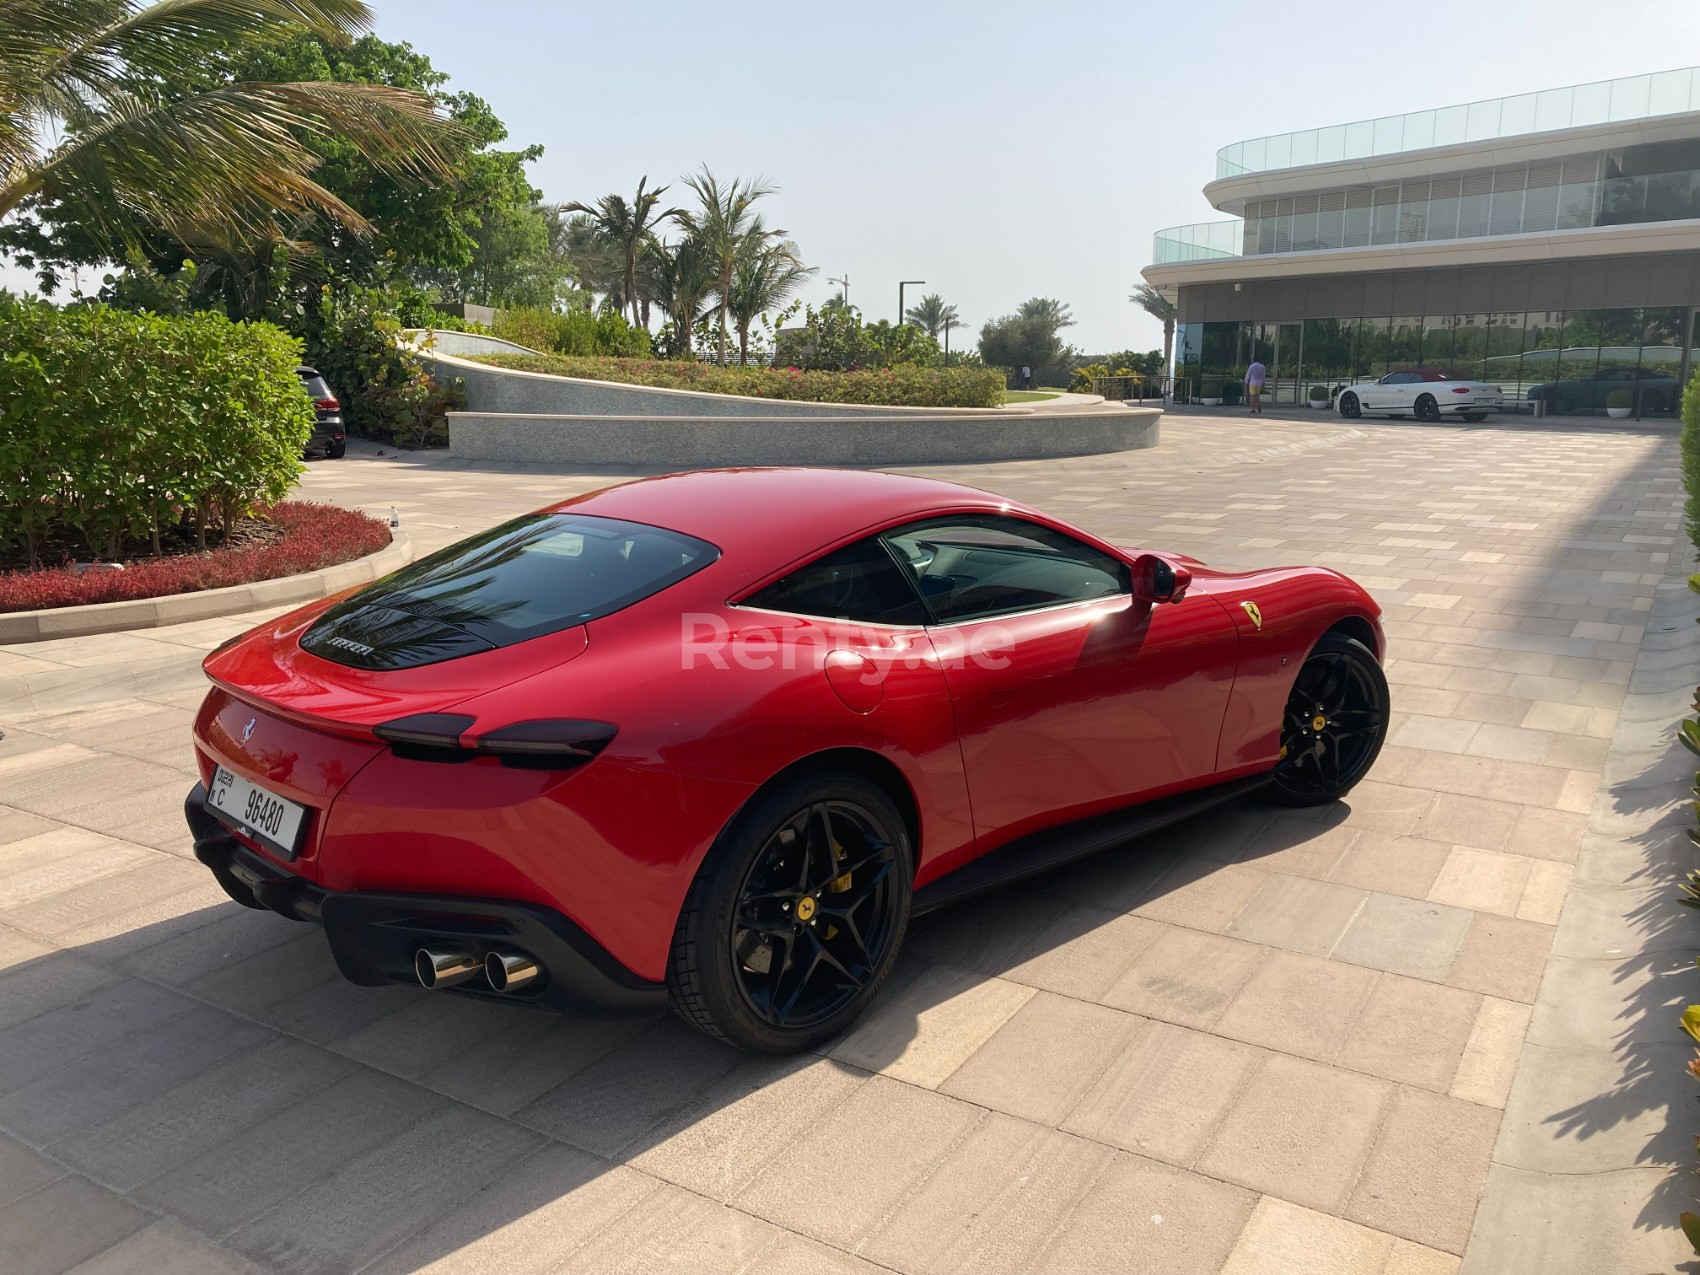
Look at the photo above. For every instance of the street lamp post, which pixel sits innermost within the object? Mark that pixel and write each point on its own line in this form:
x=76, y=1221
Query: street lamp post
x=845, y=283
x=902, y=284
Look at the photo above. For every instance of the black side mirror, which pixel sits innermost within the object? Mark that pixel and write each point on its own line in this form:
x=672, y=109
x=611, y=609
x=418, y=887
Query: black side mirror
x=1157, y=580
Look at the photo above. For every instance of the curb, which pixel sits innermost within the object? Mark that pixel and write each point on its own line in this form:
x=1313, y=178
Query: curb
x=206, y=604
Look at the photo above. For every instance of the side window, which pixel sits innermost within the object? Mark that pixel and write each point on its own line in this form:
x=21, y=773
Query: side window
x=979, y=565
x=859, y=582
x=1400, y=378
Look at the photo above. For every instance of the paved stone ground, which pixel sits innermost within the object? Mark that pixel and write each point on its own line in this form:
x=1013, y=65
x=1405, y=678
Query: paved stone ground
x=1264, y=1043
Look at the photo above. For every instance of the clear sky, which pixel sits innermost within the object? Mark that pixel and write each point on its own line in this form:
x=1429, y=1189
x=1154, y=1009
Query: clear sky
x=997, y=150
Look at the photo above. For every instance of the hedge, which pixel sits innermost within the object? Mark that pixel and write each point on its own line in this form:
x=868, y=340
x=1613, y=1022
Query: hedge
x=314, y=536
x=115, y=426
x=906, y=386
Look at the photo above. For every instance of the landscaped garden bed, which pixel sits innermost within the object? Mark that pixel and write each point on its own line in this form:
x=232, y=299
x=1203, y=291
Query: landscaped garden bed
x=286, y=539
x=901, y=386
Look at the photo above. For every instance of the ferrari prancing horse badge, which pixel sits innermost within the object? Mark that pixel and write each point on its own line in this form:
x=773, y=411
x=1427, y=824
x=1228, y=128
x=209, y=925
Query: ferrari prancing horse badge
x=1251, y=609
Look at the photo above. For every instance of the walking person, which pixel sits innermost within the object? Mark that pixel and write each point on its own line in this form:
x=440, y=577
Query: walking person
x=1026, y=382
x=1255, y=375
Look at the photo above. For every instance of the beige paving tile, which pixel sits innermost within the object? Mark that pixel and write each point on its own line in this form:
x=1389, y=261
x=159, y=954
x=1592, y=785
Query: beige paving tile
x=1415, y=1259
x=1082, y=953
x=1503, y=957
x=1543, y=895
x=1300, y=1131
x=1423, y=1179
x=983, y=934
x=1145, y=1216
x=719, y=1142
x=1186, y=977
x=1489, y=1061
x=1298, y=1004
x=672, y=1232
x=530, y=1219
x=1554, y=834
x=1040, y=1063
x=1437, y=734
x=1298, y=915
x=857, y=1161
x=1201, y=895
x=1286, y=1239
x=1411, y=1031
x=930, y=1025
x=792, y=1255
x=1165, y=1093
x=1481, y=880
x=1469, y=821
x=1298, y=847
x=1404, y=936
x=992, y=1203
x=1391, y=865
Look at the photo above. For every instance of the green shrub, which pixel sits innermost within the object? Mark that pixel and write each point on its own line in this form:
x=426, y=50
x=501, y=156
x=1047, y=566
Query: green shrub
x=1691, y=455
x=576, y=332
x=836, y=340
x=1620, y=398
x=114, y=425
x=386, y=391
x=906, y=386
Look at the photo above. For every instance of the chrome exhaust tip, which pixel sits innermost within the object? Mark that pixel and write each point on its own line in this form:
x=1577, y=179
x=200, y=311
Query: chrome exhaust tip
x=510, y=971
x=444, y=967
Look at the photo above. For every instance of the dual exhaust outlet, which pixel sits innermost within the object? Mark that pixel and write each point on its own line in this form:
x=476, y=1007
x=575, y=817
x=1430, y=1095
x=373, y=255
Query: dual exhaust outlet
x=440, y=967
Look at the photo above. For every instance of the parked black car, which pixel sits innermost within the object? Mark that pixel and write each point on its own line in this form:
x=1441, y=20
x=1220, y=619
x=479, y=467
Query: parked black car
x=329, y=437
x=1658, y=391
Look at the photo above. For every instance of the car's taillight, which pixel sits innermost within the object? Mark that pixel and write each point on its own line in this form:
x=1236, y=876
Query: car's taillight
x=327, y=404
x=1496, y=389
x=553, y=743
x=1461, y=389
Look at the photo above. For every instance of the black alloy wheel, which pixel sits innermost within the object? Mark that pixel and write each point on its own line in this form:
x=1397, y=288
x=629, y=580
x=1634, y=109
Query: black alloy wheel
x=1334, y=724
x=795, y=920
x=1349, y=406
x=1427, y=409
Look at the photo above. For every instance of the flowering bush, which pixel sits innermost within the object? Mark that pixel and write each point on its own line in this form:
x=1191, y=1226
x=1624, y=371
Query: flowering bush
x=314, y=536
x=905, y=386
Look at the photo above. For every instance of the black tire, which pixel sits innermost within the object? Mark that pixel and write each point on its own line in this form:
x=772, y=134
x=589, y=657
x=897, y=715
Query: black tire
x=1350, y=408
x=720, y=976
x=1426, y=409
x=1341, y=686
x=1475, y=416
x=336, y=451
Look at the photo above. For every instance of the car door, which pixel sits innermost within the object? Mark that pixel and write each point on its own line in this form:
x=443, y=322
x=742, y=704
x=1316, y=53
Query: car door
x=1071, y=696
x=1399, y=391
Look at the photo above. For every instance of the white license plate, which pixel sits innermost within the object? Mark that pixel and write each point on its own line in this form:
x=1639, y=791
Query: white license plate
x=249, y=808
x=1486, y=398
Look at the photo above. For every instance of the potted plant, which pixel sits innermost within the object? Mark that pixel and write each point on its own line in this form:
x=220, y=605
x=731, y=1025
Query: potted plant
x=1619, y=404
x=1210, y=392
x=1319, y=396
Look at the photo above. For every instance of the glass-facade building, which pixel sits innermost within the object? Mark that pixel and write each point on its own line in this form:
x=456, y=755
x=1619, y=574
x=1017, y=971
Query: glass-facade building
x=1561, y=261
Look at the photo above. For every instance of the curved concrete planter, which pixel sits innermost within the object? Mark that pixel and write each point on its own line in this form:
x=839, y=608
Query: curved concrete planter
x=871, y=438
x=510, y=391
x=179, y=608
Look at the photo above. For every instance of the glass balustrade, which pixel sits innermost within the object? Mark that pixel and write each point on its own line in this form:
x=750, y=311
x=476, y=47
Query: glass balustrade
x=1631, y=97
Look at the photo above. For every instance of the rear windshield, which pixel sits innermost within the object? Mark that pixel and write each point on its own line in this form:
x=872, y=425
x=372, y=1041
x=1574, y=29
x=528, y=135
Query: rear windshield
x=315, y=385
x=534, y=575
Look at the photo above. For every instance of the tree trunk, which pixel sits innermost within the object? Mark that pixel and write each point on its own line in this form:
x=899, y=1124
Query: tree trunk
x=725, y=287
x=1168, y=344
x=743, y=344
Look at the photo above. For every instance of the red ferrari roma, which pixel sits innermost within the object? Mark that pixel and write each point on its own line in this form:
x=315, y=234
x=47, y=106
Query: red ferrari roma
x=713, y=739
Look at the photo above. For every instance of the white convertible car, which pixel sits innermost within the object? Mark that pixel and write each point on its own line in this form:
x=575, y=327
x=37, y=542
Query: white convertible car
x=1427, y=394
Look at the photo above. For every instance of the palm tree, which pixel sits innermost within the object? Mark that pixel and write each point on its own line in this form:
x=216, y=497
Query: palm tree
x=727, y=226
x=1054, y=313
x=765, y=279
x=931, y=313
x=628, y=227
x=1162, y=309
x=679, y=278
x=87, y=124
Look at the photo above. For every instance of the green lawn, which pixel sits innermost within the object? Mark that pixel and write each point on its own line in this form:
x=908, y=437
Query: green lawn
x=1027, y=396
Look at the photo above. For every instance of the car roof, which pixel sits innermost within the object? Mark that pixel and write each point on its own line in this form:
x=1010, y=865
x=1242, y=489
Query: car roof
x=779, y=512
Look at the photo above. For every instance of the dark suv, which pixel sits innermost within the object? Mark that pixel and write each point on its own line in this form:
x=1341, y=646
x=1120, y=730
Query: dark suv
x=329, y=437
